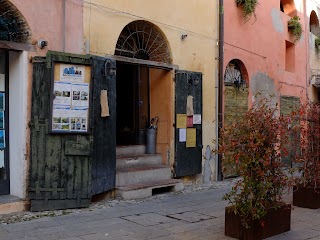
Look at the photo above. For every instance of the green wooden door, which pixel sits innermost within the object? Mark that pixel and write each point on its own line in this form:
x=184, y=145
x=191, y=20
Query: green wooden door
x=104, y=128
x=68, y=168
x=188, y=160
x=60, y=164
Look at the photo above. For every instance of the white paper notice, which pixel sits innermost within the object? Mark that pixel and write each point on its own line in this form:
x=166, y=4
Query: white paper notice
x=80, y=95
x=79, y=120
x=62, y=93
x=61, y=119
x=182, y=135
x=2, y=82
x=72, y=73
x=197, y=119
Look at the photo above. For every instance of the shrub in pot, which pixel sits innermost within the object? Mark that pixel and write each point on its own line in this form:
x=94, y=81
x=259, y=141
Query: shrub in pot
x=295, y=28
x=255, y=143
x=307, y=161
x=248, y=8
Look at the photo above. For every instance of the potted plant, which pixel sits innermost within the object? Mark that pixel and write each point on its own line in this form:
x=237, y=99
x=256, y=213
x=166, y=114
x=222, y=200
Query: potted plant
x=295, y=28
x=307, y=185
x=255, y=142
x=248, y=8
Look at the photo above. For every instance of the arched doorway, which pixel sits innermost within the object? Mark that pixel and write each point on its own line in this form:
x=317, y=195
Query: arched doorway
x=235, y=98
x=141, y=87
x=15, y=34
x=314, y=24
x=236, y=89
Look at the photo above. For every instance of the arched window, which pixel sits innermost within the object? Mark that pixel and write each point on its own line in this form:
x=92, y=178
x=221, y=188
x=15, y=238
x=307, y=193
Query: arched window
x=314, y=23
x=236, y=73
x=13, y=25
x=143, y=40
x=288, y=7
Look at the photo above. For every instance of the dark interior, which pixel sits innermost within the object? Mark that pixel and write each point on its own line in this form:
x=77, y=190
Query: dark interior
x=132, y=104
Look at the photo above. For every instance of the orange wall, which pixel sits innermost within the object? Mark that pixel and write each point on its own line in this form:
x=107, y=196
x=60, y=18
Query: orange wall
x=261, y=45
x=161, y=105
x=45, y=19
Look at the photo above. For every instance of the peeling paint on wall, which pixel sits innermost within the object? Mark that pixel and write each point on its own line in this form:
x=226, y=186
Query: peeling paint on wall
x=276, y=20
x=207, y=172
x=262, y=86
x=311, y=41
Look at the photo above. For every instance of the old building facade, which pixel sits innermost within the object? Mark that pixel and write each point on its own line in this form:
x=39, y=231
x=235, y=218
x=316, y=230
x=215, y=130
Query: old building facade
x=81, y=83
x=263, y=58
x=22, y=27
x=148, y=61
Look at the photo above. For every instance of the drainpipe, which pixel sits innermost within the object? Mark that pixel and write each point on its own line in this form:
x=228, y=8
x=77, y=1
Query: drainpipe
x=220, y=85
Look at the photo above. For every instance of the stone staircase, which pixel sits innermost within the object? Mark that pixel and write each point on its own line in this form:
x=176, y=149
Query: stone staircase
x=141, y=175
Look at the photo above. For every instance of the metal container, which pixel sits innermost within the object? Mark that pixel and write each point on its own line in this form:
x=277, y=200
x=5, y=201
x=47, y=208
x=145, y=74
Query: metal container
x=142, y=136
x=151, y=141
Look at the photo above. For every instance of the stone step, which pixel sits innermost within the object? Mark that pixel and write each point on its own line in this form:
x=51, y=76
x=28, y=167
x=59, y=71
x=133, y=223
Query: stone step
x=141, y=174
x=130, y=150
x=139, y=160
x=143, y=190
x=12, y=204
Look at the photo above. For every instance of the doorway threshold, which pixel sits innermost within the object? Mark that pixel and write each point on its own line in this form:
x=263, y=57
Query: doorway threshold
x=11, y=204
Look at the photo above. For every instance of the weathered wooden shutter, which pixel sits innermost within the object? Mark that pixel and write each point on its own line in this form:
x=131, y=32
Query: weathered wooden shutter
x=188, y=161
x=60, y=164
x=104, y=129
x=288, y=104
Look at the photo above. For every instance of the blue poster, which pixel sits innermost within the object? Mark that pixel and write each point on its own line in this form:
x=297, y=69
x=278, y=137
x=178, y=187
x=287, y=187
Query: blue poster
x=2, y=139
x=1, y=120
x=2, y=102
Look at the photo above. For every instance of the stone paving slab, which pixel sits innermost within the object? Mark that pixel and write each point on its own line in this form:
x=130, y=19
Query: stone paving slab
x=191, y=215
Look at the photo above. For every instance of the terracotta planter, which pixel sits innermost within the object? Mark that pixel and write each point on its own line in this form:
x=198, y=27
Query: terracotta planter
x=306, y=197
x=275, y=222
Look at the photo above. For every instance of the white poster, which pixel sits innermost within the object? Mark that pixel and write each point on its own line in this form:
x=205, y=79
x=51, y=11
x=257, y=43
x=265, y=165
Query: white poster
x=182, y=135
x=79, y=120
x=72, y=73
x=2, y=82
x=62, y=93
x=197, y=119
x=80, y=95
x=61, y=119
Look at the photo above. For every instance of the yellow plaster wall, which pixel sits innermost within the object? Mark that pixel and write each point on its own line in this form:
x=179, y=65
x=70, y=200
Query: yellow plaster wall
x=105, y=19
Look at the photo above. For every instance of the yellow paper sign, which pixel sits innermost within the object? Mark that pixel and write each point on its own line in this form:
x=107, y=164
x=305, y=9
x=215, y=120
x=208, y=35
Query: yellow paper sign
x=181, y=121
x=191, y=137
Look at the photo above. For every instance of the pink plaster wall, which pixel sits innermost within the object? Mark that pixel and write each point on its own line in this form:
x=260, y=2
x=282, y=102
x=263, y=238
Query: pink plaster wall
x=262, y=48
x=45, y=18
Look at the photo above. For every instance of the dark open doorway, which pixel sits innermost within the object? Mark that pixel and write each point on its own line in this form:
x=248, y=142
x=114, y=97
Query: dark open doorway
x=4, y=122
x=133, y=105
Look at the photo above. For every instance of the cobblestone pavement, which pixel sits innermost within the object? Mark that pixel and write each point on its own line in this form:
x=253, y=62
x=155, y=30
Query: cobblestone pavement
x=196, y=213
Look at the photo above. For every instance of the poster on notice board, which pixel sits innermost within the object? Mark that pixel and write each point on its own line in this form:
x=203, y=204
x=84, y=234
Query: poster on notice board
x=71, y=98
